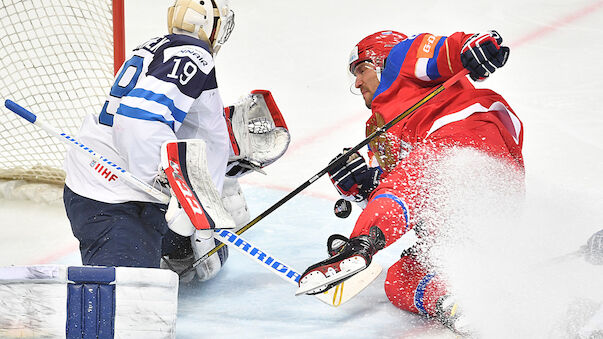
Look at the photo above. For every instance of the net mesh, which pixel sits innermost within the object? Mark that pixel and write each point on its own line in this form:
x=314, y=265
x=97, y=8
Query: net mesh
x=56, y=60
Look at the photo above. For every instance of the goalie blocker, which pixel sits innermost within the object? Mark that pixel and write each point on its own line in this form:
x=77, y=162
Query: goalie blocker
x=185, y=166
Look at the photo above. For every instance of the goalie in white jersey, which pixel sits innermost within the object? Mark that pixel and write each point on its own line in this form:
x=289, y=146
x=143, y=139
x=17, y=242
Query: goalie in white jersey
x=166, y=91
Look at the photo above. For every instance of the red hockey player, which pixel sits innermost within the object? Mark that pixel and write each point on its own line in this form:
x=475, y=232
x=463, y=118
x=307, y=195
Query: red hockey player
x=393, y=72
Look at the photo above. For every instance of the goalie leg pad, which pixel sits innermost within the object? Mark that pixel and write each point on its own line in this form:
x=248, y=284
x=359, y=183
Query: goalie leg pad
x=235, y=203
x=210, y=267
x=56, y=301
x=185, y=165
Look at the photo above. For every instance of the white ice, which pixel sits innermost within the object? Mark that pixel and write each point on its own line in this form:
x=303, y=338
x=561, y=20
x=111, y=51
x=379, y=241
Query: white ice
x=299, y=51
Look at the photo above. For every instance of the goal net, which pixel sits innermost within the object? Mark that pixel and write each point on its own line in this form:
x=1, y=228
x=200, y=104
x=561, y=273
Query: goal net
x=57, y=60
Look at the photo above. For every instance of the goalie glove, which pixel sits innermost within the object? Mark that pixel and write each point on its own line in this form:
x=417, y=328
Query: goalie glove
x=353, y=179
x=483, y=53
x=258, y=133
x=347, y=257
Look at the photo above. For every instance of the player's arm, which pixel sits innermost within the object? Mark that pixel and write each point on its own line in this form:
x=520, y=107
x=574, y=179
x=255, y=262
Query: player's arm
x=426, y=58
x=431, y=59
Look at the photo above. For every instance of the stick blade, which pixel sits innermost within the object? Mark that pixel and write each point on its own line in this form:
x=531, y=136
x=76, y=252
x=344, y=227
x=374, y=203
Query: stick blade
x=348, y=289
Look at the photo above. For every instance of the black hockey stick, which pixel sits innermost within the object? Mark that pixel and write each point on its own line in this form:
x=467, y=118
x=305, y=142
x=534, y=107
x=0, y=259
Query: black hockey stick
x=337, y=162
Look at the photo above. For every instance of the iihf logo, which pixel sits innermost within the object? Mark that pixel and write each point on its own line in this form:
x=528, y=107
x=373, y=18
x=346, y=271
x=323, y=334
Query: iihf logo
x=103, y=171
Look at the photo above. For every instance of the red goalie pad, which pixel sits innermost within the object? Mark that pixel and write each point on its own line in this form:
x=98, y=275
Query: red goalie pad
x=177, y=176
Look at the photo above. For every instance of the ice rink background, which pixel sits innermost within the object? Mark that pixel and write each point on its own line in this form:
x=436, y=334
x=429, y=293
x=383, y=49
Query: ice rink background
x=299, y=52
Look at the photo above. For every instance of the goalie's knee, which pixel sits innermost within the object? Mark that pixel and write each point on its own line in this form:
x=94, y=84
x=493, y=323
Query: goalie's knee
x=209, y=268
x=234, y=202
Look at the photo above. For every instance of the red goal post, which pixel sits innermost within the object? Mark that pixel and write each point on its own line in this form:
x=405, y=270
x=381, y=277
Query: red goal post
x=58, y=59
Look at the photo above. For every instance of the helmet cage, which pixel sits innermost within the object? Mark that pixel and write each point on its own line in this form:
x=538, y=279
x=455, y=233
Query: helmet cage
x=225, y=27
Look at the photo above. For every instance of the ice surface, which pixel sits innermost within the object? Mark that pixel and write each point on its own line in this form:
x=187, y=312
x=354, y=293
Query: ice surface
x=299, y=52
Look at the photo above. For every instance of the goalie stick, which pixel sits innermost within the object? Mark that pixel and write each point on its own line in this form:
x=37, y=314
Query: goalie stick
x=335, y=297
x=29, y=116
x=342, y=158
x=199, y=220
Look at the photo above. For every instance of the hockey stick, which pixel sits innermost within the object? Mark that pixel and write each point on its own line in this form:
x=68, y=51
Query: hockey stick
x=29, y=116
x=337, y=297
x=338, y=161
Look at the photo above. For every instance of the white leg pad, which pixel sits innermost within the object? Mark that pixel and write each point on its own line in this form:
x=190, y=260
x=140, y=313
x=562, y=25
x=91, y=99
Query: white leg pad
x=208, y=268
x=60, y=301
x=234, y=202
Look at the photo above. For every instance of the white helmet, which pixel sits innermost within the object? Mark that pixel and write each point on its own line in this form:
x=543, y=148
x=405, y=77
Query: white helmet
x=208, y=20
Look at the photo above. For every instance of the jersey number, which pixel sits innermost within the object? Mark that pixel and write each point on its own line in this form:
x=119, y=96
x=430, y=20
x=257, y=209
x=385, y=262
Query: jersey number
x=186, y=74
x=124, y=83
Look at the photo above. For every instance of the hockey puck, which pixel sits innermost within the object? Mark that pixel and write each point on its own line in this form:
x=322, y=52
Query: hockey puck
x=343, y=208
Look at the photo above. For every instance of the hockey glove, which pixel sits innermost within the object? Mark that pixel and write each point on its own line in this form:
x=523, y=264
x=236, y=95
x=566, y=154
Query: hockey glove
x=353, y=179
x=483, y=53
x=347, y=257
x=258, y=133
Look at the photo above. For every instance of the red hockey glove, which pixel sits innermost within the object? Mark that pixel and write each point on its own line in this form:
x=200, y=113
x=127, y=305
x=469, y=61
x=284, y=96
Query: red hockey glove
x=483, y=53
x=353, y=179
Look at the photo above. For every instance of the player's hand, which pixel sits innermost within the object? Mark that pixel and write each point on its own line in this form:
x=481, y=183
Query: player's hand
x=483, y=53
x=353, y=179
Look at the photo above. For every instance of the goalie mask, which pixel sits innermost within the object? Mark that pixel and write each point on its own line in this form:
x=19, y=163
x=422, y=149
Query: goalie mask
x=258, y=133
x=209, y=20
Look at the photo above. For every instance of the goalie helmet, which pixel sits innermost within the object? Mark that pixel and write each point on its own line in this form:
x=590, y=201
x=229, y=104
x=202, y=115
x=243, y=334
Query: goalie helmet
x=374, y=49
x=209, y=20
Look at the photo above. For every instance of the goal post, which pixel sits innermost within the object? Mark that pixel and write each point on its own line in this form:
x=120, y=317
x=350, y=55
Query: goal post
x=58, y=58
x=119, y=35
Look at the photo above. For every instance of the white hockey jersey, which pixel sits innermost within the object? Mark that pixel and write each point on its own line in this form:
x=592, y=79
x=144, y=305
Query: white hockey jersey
x=166, y=90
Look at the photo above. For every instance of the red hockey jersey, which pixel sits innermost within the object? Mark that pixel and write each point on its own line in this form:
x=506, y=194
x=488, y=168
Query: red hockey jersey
x=459, y=116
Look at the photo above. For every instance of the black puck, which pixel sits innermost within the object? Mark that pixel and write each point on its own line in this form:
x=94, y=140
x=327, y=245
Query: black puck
x=342, y=208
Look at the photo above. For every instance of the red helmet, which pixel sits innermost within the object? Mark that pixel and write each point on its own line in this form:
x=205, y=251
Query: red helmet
x=374, y=49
